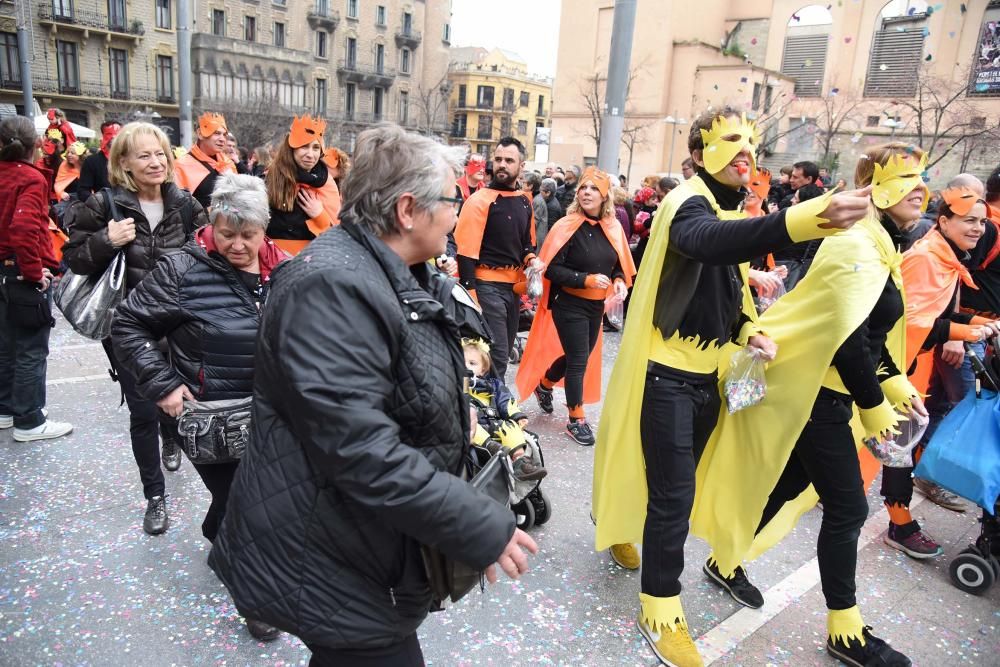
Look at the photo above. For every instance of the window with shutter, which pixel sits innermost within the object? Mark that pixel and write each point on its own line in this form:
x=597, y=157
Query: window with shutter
x=897, y=51
x=804, y=59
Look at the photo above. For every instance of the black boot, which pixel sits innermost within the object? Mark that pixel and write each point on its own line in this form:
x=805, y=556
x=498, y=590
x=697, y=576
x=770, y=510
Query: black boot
x=171, y=455
x=156, y=520
x=261, y=631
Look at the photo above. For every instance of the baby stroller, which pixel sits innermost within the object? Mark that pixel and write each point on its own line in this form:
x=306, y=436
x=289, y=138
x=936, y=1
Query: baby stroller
x=529, y=503
x=972, y=471
x=525, y=316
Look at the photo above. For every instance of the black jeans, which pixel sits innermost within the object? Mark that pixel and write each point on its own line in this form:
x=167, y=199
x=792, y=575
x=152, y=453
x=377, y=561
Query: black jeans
x=678, y=416
x=144, y=428
x=825, y=456
x=500, y=308
x=24, y=353
x=218, y=477
x=407, y=653
x=578, y=323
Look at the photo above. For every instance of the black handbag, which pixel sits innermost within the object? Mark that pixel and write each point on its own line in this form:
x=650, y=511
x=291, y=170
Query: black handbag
x=215, y=431
x=450, y=579
x=27, y=306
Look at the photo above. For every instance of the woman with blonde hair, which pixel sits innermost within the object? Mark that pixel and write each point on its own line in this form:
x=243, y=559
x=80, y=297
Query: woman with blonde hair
x=302, y=193
x=146, y=216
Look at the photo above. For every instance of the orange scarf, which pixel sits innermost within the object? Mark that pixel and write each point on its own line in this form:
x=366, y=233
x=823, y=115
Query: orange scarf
x=931, y=272
x=543, y=345
x=64, y=178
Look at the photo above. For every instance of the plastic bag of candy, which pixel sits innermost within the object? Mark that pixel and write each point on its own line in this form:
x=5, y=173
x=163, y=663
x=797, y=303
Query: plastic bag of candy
x=745, y=385
x=896, y=450
x=765, y=302
x=614, y=309
x=535, y=286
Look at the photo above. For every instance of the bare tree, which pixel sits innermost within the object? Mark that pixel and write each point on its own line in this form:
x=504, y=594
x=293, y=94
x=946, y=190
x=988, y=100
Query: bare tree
x=257, y=121
x=837, y=109
x=592, y=91
x=982, y=143
x=431, y=106
x=634, y=136
x=941, y=116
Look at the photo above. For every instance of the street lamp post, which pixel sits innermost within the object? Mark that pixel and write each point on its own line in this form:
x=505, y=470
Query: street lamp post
x=673, y=122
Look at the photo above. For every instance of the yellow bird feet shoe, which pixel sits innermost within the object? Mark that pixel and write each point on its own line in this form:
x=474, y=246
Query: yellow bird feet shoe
x=669, y=639
x=626, y=556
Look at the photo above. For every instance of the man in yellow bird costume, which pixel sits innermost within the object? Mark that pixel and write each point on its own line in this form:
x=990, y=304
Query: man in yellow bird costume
x=691, y=298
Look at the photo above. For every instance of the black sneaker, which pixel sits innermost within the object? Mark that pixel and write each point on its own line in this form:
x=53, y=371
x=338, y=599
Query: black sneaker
x=526, y=471
x=156, y=520
x=580, y=431
x=171, y=455
x=874, y=653
x=738, y=585
x=544, y=397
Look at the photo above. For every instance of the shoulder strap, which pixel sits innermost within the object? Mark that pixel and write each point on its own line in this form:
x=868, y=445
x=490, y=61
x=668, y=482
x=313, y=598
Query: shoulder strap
x=112, y=206
x=187, y=216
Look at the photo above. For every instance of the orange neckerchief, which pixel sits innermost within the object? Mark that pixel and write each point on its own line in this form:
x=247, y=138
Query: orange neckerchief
x=543, y=345
x=221, y=162
x=931, y=272
x=64, y=178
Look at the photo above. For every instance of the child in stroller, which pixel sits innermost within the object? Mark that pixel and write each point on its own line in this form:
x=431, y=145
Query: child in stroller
x=500, y=420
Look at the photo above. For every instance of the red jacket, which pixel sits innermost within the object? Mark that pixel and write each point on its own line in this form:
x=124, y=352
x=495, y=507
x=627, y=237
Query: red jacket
x=24, y=221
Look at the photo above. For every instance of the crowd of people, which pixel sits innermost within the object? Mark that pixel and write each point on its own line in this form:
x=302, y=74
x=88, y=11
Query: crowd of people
x=361, y=304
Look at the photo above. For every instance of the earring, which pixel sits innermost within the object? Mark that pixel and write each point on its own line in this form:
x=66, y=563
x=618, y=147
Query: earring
x=409, y=228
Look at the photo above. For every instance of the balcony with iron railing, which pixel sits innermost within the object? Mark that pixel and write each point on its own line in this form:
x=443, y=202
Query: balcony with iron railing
x=409, y=38
x=350, y=70
x=100, y=91
x=321, y=17
x=87, y=21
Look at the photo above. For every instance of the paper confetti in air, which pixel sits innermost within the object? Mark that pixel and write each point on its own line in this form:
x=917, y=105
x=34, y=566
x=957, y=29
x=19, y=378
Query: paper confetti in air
x=743, y=79
x=847, y=40
x=883, y=67
x=753, y=41
x=857, y=137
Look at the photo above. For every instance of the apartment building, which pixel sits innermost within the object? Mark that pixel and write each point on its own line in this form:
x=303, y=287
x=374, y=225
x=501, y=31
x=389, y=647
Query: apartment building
x=792, y=65
x=492, y=96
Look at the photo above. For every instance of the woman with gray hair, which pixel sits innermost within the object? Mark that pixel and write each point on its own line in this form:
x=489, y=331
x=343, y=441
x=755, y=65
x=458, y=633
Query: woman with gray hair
x=205, y=300
x=360, y=424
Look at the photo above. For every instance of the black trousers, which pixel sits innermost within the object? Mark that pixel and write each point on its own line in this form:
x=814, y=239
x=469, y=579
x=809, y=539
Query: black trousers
x=24, y=353
x=578, y=323
x=405, y=654
x=678, y=416
x=144, y=429
x=217, y=477
x=500, y=308
x=825, y=455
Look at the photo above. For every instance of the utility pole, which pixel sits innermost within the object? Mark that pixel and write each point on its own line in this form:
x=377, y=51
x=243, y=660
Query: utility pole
x=25, y=48
x=184, y=69
x=613, y=114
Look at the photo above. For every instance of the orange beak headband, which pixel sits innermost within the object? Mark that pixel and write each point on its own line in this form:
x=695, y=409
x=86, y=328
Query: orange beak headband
x=760, y=183
x=306, y=130
x=898, y=178
x=210, y=123
x=475, y=165
x=961, y=200
x=598, y=178
x=729, y=136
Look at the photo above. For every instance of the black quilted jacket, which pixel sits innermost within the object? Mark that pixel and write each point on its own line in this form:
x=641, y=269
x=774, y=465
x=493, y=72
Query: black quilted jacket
x=208, y=316
x=359, y=422
x=89, y=251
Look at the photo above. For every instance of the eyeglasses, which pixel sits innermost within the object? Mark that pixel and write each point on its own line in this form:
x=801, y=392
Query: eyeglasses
x=457, y=201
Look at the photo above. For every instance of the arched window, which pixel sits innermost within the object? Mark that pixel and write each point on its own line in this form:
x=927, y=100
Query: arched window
x=807, y=39
x=897, y=49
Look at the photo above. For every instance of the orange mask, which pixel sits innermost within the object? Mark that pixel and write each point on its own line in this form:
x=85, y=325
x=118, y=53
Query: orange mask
x=760, y=183
x=331, y=157
x=961, y=200
x=600, y=180
x=210, y=123
x=306, y=130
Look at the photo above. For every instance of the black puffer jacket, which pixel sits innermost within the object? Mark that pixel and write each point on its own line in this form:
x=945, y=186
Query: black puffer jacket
x=209, y=317
x=359, y=422
x=89, y=251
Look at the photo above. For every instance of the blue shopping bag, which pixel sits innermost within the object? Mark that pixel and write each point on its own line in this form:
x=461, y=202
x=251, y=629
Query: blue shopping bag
x=963, y=456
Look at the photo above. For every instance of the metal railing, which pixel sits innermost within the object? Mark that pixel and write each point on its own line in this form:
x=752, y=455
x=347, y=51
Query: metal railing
x=90, y=19
x=99, y=90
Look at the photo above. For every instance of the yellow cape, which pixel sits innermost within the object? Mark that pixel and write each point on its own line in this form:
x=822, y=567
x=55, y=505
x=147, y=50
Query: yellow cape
x=619, y=491
x=749, y=450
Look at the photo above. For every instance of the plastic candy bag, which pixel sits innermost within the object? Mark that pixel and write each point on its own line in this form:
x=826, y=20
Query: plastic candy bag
x=614, y=309
x=896, y=451
x=745, y=385
x=535, y=287
x=765, y=302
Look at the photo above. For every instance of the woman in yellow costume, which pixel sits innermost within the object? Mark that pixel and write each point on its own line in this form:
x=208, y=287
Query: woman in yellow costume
x=842, y=335
x=691, y=297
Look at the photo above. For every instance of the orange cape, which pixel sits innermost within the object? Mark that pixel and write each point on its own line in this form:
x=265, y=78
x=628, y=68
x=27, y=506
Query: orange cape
x=543, y=345
x=931, y=272
x=472, y=220
x=189, y=171
x=463, y=185
x=64, y=178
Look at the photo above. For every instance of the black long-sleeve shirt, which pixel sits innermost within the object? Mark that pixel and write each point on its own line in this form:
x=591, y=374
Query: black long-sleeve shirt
x=506, y=235
x=93, y=176
x=587, y=251
x=986, y=299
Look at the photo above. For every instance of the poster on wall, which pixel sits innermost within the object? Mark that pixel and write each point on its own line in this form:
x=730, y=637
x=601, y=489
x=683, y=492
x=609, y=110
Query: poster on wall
x=986, y=60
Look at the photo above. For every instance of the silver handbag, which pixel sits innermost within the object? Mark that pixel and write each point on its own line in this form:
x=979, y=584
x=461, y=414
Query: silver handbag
x=88, y=302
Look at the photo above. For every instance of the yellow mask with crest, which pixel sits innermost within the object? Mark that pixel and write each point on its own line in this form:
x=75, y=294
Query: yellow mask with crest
x=898, y=178
x=728, y=137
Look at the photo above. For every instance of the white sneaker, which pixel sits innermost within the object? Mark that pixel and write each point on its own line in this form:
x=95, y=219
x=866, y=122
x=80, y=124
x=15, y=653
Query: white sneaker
x=50, y=429
x=6, y=421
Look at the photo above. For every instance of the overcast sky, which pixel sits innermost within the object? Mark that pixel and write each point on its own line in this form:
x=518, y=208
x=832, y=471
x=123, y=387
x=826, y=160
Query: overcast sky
x=530, y=28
